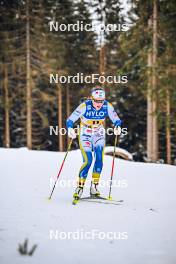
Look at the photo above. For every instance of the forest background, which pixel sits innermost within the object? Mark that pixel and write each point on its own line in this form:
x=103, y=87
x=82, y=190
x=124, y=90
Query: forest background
x=145, y=53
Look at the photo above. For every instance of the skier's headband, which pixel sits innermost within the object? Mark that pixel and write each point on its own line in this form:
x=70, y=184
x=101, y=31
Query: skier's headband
x=98, y=94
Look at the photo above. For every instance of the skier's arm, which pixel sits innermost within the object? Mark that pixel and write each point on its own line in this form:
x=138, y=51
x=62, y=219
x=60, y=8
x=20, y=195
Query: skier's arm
x=113, y=115
x=77, y=113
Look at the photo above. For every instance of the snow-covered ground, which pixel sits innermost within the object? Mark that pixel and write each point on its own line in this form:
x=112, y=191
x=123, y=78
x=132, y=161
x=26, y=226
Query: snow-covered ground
x=145, y=224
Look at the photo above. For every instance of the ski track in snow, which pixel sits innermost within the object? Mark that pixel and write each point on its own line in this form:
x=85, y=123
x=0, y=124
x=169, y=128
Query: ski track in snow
x=147, y=215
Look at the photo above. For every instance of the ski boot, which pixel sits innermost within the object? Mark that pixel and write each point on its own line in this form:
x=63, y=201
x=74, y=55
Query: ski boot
x=77, y=195
x=94, y=192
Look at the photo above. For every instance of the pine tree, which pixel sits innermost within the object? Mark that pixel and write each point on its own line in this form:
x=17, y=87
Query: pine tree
x=135, y=44
x=147, y=46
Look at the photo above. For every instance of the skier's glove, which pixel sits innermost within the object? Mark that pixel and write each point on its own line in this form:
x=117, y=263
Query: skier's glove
x=71, y=133
x=117, y=130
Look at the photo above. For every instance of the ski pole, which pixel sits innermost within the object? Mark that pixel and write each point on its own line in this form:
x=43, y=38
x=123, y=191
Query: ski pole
x=69, y=146
x=112, y=170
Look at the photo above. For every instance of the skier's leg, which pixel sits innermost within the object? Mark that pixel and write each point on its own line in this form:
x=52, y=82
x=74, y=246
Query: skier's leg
x=86, y=150
x=98, y=165
x=99, y=143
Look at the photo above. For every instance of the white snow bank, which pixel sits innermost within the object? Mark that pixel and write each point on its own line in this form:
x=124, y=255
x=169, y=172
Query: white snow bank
x=147, y=216
x=119, y=151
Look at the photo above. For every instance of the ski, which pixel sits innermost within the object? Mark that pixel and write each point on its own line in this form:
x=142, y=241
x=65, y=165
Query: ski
x=100, y=198
x=97, y=199
x=101, y=201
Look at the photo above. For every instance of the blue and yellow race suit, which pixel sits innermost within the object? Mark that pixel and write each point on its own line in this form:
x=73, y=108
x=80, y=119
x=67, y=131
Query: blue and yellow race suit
x=92, y=135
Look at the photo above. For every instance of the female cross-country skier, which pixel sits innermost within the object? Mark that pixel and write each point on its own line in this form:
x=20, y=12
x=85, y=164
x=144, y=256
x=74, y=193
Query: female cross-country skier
x=92, y=114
